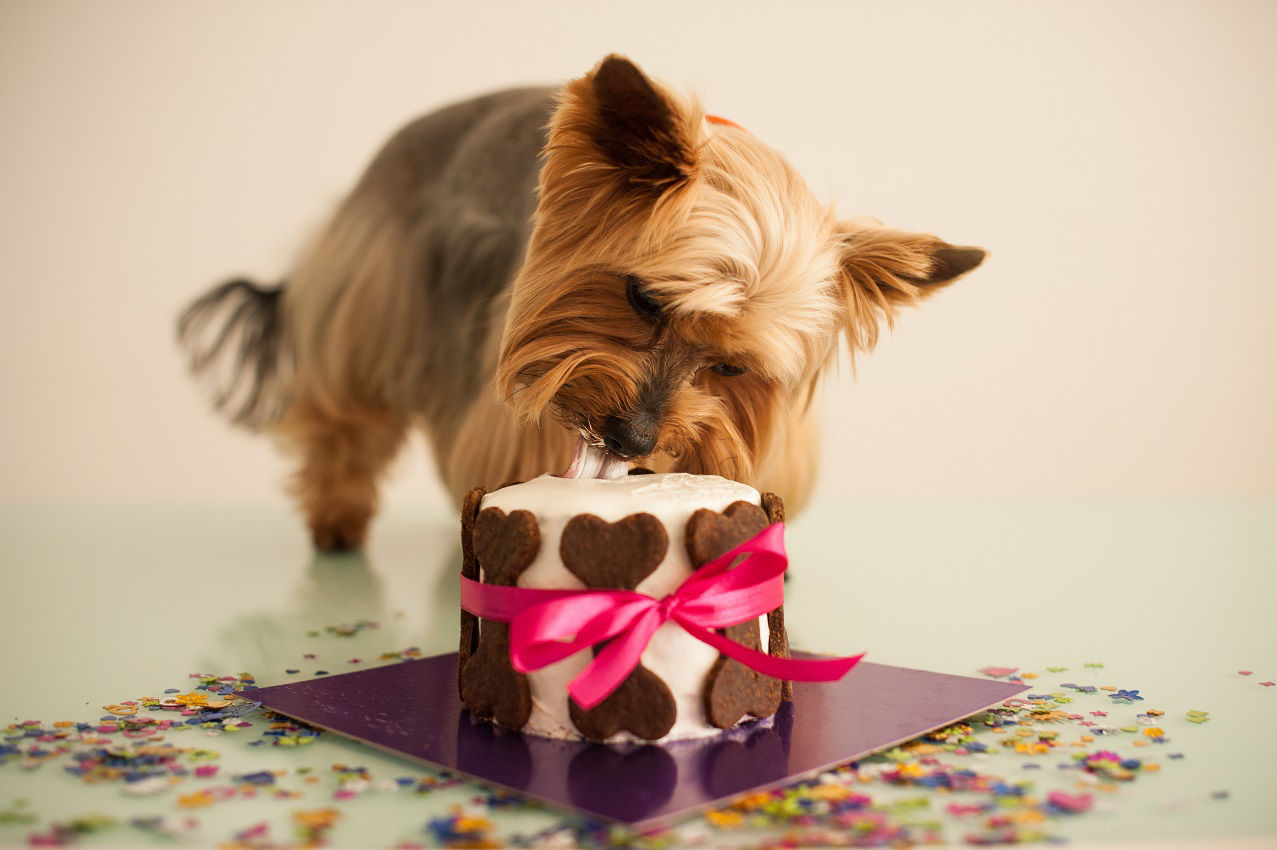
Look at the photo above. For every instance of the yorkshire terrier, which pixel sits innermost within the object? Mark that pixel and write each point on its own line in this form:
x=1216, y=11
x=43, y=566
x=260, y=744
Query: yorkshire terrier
x=535, y=270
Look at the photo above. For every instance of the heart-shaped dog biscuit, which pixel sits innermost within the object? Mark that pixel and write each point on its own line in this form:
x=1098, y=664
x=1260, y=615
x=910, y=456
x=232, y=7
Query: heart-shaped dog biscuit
x=641, y=705
x=620, y=555
x=613, y=554
x=710, y=534
x=778, y=644
x=490, y=687
x=469, y=569
x=505, y=544
x=733, y=690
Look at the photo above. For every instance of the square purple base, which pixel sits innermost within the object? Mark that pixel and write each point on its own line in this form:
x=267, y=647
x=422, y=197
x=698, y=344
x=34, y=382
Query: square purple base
x=412, y=710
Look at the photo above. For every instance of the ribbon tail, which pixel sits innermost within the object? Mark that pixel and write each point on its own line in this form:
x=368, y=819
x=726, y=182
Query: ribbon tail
x=797, y=669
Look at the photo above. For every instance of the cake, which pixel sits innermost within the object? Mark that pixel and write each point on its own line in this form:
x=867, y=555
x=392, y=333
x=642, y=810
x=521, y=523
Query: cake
x=642, y=532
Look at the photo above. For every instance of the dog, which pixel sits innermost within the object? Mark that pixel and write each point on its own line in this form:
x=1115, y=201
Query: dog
x=538, y=269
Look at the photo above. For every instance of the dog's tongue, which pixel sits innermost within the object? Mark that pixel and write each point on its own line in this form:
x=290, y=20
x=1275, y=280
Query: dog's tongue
x=591, y=462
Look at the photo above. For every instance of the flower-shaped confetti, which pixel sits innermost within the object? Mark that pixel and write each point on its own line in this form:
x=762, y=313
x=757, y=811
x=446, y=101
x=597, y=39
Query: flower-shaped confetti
x=1127, y=696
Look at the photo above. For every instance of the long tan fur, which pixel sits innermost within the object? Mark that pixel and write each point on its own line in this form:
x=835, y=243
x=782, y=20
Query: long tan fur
x=428, y=302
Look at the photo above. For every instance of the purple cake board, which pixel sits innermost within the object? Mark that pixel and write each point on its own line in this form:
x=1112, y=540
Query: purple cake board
x=412, y=710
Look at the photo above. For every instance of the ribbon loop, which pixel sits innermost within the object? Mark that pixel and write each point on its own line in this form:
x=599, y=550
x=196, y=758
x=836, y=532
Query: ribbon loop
x=550, y=625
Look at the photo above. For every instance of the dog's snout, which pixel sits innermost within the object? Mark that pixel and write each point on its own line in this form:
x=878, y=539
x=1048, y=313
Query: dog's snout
x=635, y=437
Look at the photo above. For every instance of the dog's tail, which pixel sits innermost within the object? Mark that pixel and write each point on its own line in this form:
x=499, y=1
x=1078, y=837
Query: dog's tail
x=234, y=341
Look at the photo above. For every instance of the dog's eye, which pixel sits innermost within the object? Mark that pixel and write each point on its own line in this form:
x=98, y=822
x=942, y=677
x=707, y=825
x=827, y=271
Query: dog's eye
x=641, y=300
x=730, y=370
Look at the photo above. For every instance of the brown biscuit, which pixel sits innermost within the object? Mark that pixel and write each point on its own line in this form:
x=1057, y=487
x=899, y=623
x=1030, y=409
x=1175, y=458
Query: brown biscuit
x=620, y=555
x=642, y=705
x=504, y=546
x=774, y=506
x=617, y=554
x=490, y=687
x=710, y=534
x=778, y=641
x=733, y=690
x=470, y=570
x=778, y=646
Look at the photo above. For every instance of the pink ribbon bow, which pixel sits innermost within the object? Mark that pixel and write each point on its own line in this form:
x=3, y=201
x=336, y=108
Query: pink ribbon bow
x=549, y=625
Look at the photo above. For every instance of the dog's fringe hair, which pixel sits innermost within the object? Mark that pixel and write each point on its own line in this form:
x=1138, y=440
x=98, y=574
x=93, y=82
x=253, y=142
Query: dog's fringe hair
x=233, y=338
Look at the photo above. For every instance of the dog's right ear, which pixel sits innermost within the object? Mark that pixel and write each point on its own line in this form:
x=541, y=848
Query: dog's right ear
x=617, y=119
x=885, y=269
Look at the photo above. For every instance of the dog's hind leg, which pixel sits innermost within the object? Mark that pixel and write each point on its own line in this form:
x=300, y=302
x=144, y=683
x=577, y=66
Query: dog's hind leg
x=343, y=455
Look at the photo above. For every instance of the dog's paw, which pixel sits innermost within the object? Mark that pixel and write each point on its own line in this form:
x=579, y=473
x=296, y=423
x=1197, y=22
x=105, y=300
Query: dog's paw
x=339, y=535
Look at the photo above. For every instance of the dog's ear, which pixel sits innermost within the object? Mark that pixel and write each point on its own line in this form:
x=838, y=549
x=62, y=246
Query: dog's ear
x=883, y=269
x=623, y=120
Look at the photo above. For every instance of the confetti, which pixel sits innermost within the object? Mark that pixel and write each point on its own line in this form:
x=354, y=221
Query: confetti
x=346, y=629
x=1070, y=803
x=460, y=829
x=1023, y=770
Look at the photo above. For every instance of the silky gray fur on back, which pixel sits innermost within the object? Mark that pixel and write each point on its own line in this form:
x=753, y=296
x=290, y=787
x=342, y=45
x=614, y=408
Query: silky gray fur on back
x=479, y=163
x=458, y=186
x=421, y=250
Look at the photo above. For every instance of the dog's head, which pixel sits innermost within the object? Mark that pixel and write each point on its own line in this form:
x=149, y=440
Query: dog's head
x=682, y=288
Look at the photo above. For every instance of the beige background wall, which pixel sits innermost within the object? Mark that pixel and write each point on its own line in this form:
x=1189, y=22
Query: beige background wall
x=1117, y=158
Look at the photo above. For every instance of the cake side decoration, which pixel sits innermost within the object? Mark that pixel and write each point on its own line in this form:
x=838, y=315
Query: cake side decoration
x=620, y=555
x=732, y=690
x=504, y=545
x=673, y=581
x=778, y=643
x=469, y=569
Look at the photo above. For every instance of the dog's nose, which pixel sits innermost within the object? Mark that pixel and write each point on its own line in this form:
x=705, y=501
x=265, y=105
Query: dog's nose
x=634, y=437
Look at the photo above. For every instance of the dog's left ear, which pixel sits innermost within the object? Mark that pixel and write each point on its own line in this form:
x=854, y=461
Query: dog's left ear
x=624, y=121
x=884, y=269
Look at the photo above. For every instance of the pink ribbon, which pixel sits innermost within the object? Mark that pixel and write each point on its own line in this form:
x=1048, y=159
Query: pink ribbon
x=549, y=625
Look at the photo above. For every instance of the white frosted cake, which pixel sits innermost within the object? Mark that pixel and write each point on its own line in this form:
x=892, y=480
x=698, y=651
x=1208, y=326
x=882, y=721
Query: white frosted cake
x=643, y=532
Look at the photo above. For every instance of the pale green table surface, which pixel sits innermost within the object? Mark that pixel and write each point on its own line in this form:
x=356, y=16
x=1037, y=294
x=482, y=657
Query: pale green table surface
x=107, y=604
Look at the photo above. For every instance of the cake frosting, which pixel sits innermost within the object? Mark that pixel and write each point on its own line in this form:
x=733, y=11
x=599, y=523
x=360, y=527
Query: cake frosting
x=679, y=660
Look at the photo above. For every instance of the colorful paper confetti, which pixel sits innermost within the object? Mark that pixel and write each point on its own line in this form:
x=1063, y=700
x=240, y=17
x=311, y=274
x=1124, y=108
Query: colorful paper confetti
x=1014, y=774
